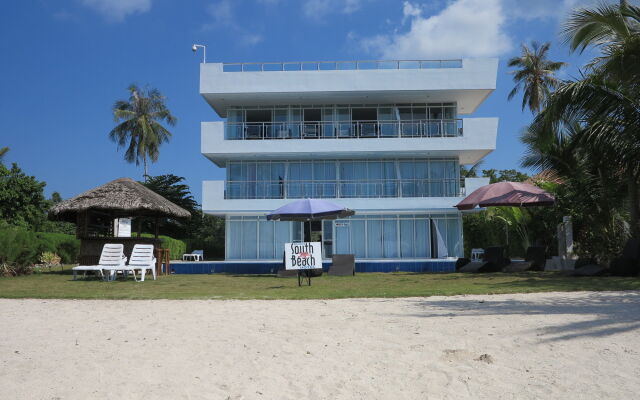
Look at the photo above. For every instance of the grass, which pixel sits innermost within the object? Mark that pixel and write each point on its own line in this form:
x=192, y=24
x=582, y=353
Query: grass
x=60, y=285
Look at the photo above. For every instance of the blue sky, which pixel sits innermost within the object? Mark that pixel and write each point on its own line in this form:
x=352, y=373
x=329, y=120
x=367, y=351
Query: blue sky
x=65, y=62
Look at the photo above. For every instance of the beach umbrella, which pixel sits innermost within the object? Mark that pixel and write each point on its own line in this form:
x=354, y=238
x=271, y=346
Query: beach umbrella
x=309, y=210
x=508, y=194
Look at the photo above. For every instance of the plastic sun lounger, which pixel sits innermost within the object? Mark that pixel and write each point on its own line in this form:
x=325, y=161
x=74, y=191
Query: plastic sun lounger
x=142, y=259
x=112, y=256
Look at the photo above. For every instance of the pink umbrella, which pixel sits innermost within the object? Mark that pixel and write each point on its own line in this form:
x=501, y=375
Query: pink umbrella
x=510, y=194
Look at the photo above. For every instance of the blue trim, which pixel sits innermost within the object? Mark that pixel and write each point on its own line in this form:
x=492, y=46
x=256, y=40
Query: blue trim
x=266, y=267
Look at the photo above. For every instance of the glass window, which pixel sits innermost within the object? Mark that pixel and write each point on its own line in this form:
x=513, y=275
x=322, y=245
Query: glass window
x=343, y=237
x=374, y=238
x=266, y=248
x=407, y=238
x=358, y=234
x=422, y=241
x=249, y=240
x=390, y=236
x=234, y=240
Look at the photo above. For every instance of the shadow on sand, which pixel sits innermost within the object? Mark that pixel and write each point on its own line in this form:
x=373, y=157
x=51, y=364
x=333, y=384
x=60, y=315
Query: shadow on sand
x=606, y=313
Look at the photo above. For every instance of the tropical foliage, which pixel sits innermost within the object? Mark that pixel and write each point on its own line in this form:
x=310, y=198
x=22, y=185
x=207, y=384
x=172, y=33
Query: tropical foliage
x=534, y=75
x=202, y=231
x=588, y=132
x=140, y=127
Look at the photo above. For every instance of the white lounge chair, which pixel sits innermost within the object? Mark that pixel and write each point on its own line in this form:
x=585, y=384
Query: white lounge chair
x=112, y=256
x=195, y=255
x=142, y=259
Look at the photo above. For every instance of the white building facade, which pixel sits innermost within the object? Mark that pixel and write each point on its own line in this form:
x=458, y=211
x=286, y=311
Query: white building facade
x=384, y=138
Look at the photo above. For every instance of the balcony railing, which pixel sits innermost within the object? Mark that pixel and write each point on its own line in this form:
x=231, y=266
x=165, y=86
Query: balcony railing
x=342, y=130
x=340, y=65
x=381, y=188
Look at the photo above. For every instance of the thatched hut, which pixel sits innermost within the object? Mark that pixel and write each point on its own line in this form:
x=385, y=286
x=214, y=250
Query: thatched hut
x=95, y=210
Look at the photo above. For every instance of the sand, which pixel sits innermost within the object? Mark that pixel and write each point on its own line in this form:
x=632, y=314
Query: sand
x=524, y=346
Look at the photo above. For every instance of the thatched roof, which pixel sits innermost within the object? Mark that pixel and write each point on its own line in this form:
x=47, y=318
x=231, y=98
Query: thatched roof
x=123, y=197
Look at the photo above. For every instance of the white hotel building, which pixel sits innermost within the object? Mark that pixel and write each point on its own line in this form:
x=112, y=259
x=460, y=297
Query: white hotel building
x=384, y=138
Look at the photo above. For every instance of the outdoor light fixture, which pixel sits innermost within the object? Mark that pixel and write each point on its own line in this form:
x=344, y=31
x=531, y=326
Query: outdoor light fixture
x=194, y=48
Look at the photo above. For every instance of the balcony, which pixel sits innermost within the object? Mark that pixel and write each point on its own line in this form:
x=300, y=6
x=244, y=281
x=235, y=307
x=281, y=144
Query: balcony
x=478, y=140
x=340, y=65
x=382, y=188
x=342, y=130
x=465, y=82
x=214, y=202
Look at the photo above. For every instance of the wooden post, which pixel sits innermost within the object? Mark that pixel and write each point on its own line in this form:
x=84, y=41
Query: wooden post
x=156, y=222
x=139, y=226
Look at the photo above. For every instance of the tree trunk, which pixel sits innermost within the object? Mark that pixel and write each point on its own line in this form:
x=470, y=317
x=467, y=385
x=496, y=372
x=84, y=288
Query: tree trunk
x=634, y=203
x=145, y=168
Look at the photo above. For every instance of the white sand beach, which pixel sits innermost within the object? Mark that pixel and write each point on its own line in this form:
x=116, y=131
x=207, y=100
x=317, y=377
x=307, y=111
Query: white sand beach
x=524, y=346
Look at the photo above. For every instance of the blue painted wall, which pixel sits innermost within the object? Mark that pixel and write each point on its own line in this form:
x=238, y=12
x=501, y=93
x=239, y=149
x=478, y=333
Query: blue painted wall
x=271, y=268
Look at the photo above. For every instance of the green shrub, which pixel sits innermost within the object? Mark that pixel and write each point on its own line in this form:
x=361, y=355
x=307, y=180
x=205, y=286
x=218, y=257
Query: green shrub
x=66, y=246
x=22, y=248
x=176, y=247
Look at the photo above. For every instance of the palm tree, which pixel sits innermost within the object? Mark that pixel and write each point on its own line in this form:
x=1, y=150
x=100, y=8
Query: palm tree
x=3, y=151
x=608, y=97
x=139, y=125
x=535, y=75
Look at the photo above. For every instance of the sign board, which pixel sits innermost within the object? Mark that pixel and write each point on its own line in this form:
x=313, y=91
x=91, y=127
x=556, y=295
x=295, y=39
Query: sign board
x=123, y=227
x=304, y=255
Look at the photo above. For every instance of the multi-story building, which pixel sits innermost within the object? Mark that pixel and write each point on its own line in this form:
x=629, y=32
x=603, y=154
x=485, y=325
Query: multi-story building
x=384, y=138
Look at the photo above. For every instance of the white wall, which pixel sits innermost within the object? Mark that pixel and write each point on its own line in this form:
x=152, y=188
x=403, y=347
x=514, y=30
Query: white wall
x=468, y=86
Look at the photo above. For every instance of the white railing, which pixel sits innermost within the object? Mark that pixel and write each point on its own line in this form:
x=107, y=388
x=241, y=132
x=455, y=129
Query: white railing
x=381, y=188
x=342, y=130
x=340, y=65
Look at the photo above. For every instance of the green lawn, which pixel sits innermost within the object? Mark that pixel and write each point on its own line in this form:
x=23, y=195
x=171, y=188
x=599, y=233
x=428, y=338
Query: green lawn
x=58, y=284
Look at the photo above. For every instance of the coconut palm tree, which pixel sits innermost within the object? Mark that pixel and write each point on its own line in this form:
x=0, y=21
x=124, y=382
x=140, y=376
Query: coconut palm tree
x=608, y=97
x=3, y=151
x=139, y=126
x=535, y=75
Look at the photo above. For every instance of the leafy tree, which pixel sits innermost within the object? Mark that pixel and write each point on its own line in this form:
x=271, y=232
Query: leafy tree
x=171, y=188
x=202, y=231
x=534, y=76
x=504, y=175
x=22, y=201
x=139, y=125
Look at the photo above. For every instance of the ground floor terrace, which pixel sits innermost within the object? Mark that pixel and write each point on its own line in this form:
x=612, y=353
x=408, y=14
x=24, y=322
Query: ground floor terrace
x=385, y=236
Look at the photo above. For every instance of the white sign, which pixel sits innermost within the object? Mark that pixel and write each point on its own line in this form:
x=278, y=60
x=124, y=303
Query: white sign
x=123, y=227
x=305, y=255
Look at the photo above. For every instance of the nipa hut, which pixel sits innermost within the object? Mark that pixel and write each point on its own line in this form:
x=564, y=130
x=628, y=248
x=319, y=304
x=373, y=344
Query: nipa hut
x=95, y=210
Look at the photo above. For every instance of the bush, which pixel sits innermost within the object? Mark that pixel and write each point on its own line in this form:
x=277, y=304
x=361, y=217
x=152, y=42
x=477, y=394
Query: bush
x=176, y=247
x=22, y=248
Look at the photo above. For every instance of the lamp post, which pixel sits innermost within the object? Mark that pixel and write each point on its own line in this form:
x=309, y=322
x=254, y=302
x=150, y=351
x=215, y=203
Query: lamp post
x=194, y=48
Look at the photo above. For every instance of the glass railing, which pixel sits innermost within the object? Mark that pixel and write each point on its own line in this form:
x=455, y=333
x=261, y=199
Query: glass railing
x=381, y=188
x=341, y=65
x=342, y=130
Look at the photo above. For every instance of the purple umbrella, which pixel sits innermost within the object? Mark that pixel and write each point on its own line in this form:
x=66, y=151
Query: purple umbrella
x=514, y=194
x=309, y=210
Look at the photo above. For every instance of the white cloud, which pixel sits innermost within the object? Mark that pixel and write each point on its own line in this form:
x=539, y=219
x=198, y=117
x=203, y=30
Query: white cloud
x=318, y=9
x=118, y=10
x=223, y=16
x=465, y=28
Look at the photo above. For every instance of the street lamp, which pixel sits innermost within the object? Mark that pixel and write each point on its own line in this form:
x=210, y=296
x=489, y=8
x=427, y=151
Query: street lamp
x=204, y=51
